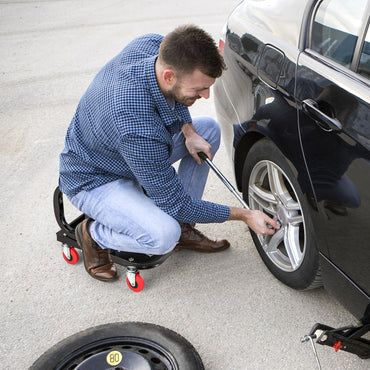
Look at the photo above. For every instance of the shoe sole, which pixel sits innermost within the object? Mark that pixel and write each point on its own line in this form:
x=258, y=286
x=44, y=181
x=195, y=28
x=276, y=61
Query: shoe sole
x=179, y=248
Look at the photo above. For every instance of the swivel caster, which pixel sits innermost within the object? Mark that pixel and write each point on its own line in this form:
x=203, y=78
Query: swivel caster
x=133, y=279
x=70, y=254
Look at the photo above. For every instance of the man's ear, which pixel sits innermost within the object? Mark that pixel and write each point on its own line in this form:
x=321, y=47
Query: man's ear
x=169, y=77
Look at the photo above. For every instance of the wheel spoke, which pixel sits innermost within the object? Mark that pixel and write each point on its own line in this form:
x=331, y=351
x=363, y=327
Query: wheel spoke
x=279, y=190
x=264, y=198
x=272, y=245
x=295, y=220
x=275, y=180
x=292, y=245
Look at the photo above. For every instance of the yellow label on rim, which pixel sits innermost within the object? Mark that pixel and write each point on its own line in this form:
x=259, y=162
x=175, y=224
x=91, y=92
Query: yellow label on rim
x=114, y=358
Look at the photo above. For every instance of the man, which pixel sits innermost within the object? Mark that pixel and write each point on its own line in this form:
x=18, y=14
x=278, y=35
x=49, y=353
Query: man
x=130, y=126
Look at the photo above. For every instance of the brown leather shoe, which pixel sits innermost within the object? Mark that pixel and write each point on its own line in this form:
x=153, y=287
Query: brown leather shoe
x=98, y=262
x=192, y=238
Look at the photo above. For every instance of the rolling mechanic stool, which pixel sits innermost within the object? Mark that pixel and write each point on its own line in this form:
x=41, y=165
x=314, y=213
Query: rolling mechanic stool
x=132, y=261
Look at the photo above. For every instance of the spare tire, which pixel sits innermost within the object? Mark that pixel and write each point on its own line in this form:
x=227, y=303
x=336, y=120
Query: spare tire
x=127, y=345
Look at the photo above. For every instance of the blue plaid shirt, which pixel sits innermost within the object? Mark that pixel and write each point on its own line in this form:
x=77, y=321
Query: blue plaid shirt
x=123, y=128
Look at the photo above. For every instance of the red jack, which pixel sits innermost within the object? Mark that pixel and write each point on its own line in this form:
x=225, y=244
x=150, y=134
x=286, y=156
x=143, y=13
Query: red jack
x=337, y=346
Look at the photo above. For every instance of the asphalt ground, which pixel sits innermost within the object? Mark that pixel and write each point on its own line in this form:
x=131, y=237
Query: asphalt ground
x=235, y=313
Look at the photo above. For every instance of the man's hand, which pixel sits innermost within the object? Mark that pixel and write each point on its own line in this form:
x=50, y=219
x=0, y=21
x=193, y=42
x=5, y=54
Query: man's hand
x=195, y=143
x=256, y=220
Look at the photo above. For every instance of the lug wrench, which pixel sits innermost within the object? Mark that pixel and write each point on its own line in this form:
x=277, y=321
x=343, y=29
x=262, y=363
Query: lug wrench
x=227, y=183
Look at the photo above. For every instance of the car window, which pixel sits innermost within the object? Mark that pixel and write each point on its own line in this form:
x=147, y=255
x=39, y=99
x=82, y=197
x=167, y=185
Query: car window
x=336, y=27
x=364, y=65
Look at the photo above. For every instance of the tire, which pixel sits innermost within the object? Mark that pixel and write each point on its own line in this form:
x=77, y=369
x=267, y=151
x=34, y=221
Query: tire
x=269, y=185
x=129, y=345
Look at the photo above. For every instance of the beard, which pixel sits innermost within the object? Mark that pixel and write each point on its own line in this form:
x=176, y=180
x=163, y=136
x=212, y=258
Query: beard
x=175, y=94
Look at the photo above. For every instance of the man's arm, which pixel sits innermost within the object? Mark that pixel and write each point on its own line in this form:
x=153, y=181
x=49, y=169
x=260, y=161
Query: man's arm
x=256, y=220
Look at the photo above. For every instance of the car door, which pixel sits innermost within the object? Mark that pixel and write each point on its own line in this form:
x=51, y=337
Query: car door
x=332, y=91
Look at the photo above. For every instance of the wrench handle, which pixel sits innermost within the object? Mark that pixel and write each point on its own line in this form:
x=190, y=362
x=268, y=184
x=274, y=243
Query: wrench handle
x=226, y=182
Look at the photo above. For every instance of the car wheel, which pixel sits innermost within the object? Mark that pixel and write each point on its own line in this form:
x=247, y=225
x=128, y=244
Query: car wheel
x=270, y=186
x=129, y=345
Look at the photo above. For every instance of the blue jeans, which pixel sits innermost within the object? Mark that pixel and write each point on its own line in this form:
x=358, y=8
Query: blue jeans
x=127, y=220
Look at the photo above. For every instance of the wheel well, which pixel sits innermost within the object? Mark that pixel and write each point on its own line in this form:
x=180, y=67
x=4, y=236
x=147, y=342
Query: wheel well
x=241, y=151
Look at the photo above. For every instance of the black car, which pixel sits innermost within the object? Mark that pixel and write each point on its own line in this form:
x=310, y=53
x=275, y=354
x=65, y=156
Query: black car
x=294, y=110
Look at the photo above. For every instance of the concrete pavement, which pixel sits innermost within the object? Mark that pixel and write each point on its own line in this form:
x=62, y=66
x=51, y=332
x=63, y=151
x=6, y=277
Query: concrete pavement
x=227, y=305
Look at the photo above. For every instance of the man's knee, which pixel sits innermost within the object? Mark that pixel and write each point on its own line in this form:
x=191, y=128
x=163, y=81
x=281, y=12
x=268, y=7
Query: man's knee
x=164, y=238
x=209, y=129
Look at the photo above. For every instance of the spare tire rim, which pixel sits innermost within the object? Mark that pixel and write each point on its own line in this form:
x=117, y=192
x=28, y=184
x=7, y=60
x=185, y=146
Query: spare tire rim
x=271, y=191
x=130, y=352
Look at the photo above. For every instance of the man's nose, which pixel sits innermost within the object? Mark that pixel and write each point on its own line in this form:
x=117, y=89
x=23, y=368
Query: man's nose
x=205, y=93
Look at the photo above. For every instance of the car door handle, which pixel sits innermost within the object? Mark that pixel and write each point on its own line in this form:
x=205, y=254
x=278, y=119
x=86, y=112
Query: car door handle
x=324, y=121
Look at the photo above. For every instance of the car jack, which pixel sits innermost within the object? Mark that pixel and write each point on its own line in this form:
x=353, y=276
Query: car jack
x=348, y=338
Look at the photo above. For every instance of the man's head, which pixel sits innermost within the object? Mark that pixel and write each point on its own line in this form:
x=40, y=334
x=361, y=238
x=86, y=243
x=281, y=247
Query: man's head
x=188, y=48
x=188, y=64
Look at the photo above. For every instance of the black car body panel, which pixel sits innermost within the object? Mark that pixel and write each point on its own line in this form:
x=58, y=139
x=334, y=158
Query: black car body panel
x=284, y=82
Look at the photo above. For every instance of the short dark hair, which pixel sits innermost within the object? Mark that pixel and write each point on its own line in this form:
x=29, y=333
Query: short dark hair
x=189, y=47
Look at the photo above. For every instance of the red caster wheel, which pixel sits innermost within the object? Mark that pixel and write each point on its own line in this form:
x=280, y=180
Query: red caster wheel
x=70, y=255
x=139, y=283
